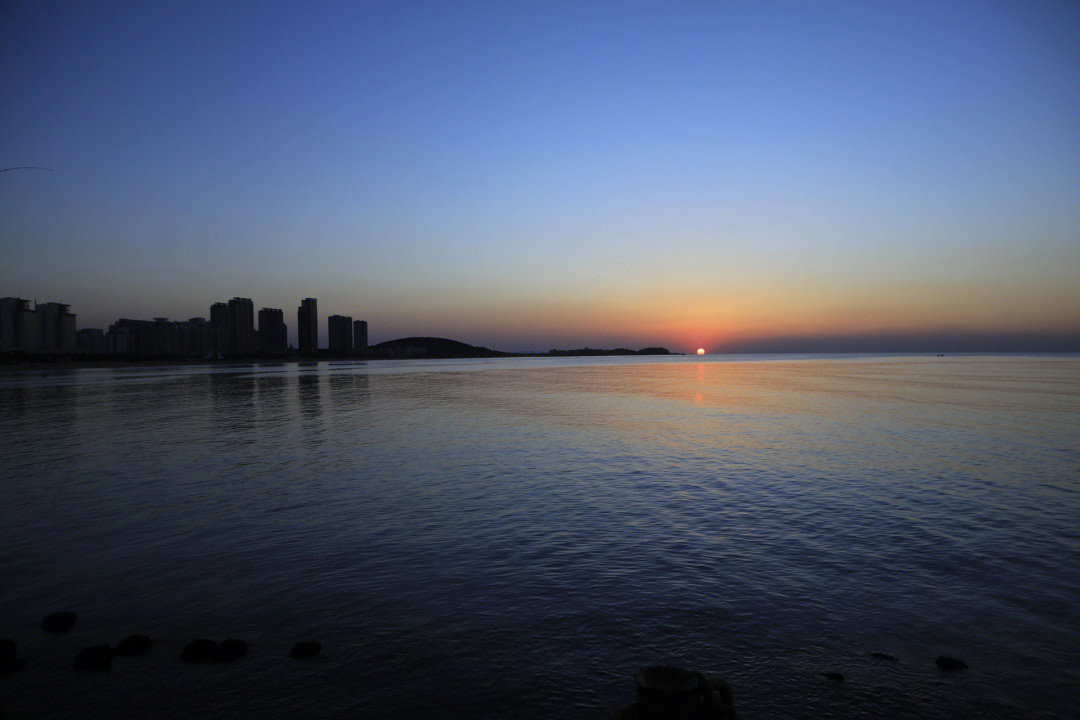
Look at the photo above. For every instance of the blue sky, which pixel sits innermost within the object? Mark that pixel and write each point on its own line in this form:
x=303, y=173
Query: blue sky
x=525, y=176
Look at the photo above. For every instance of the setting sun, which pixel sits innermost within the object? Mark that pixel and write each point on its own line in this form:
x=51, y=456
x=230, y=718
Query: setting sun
x=701, y=351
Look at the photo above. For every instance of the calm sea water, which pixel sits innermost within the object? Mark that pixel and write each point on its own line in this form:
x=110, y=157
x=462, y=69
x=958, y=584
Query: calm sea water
x=516, y=537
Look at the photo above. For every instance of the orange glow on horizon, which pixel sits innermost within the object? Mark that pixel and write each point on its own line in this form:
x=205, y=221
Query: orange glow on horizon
x=721, y=315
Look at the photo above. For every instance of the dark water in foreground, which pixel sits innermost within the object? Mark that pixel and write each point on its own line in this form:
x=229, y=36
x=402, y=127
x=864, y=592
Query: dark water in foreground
x=516, y=537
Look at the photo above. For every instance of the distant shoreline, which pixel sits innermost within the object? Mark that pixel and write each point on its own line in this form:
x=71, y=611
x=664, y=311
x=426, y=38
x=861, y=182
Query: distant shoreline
x=414, y=348
x=67, y=362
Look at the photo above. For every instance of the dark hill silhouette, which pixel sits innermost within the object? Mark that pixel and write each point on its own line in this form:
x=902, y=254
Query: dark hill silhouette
x=430, y=347
x=433, y=347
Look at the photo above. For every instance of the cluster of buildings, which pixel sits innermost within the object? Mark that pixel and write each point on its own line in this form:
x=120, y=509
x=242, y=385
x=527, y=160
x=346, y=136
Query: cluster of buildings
x=46, y=328
x=231, y=332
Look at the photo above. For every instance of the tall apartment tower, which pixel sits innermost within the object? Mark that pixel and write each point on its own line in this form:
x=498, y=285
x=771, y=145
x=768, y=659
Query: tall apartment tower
x=219, y=329
x=241, y=314
x=339, y=334
x=66, y=332
x=360, y=337
x=307, y=326
x=46, y=328
x=18, y=326
x=56, y=328
x=11, y=312
x=272, y=333
x=194, y=337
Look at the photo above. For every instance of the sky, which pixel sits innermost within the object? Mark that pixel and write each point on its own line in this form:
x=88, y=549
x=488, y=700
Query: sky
x=523, y=176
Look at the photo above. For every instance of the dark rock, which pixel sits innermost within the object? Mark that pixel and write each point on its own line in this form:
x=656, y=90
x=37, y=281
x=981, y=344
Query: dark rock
x=199, y=651
x=230, y=649
x=9, y=659
x=883, y=656
x=723, y=691
x=671, y=693
x=133, y=645
x=833, y=677
x=59, y=622
x=305, y=649
x=944, y=662
x=96, y=658
x=11, y=666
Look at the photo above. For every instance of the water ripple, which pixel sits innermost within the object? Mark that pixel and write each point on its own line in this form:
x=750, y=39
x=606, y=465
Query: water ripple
x=467, y=538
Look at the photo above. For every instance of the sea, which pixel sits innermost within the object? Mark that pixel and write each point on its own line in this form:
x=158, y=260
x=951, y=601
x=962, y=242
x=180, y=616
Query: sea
x=515, y=538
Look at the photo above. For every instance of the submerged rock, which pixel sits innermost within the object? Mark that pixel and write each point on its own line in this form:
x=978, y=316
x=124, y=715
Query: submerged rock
x=944, y=662
x=230, y=649
x=96, y=658
x=671, y=693
x=305, y=649
x=883, y=656
x=833, y=677
x=133, y=645
x=202, y=650
x=199, y=650
x=58, y=622
x=9, y=658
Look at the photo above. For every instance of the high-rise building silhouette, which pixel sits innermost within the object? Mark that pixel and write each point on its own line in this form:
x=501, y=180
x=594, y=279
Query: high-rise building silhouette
x=195, y=338
x=18, y=325
x=45, y=328
x=157, y=338
x=219, y=329
x=307, y=327
x=91, y=341
x=339, y=334
x=56, y=328
x=241, y=313
x=272, y=330
x=48, y=319
x=360, y=337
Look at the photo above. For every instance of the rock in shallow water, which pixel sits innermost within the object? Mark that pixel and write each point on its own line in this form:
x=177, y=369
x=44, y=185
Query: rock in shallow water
x=671, y=693
x=305, y=649
x=133, y=645
x=883, y=656
x=230, y=649
x=944, y=662
x=202, y=650
x=833, y=677
x=9, y=659
x=96, y=658
x=199, y=650
x=58, y=622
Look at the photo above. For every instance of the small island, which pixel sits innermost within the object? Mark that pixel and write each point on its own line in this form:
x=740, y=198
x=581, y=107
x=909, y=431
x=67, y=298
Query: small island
x=439, y=348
